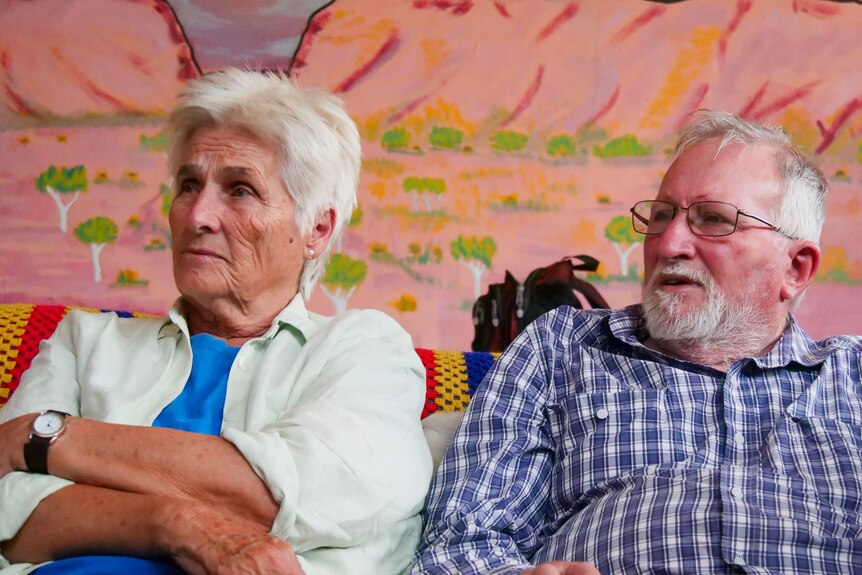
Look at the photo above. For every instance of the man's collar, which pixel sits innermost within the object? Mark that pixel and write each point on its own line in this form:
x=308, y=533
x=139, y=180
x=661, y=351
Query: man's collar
x=795, y=345
x=294, y=316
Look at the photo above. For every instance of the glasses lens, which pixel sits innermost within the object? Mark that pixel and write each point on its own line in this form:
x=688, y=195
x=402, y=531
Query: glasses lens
x=712, y=218
x=652, y=217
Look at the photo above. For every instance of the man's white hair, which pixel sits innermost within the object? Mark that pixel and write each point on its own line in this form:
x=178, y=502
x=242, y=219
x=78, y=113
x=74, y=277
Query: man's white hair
x=317, y=142
x=802, y=210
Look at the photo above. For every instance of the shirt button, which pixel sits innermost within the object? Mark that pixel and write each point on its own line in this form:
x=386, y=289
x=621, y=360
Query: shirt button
x=736, y=492
x=738, y=560
x=243, y=363
x=739, y=438
x=602, y=413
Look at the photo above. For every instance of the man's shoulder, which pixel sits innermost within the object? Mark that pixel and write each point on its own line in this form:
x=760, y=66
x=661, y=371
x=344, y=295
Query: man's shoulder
x=584, y=326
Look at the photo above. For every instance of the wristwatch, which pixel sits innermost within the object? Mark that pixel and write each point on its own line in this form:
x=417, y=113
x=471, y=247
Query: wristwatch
x=45, y=429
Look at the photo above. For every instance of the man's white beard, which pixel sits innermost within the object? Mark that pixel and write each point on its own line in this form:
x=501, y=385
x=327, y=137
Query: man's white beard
x=718, y=323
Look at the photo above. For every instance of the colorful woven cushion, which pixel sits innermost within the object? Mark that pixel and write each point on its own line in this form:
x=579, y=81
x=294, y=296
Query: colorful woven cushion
x=450, y=376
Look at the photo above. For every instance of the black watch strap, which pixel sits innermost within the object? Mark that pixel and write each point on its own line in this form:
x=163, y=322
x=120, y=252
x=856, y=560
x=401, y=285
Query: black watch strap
x=36, y=454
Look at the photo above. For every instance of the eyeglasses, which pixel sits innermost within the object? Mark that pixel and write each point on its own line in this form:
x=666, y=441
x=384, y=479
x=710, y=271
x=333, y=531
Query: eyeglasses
x=710, y=219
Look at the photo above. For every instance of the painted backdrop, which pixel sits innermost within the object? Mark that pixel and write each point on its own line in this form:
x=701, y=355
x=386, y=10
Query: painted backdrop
x=497, y=135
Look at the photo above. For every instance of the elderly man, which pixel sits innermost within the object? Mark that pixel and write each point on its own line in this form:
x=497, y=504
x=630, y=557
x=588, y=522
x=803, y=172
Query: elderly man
x=702, y=431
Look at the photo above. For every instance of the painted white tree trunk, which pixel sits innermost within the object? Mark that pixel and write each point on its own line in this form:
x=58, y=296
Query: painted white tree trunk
x=338, y=297
x=477, y=269
x=624, y=256
x=427, y=201
x=63, y=208
x=414, y=196
x=96, y=250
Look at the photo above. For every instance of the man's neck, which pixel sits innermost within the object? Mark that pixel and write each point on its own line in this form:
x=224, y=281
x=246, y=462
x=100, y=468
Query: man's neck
x=718, y=355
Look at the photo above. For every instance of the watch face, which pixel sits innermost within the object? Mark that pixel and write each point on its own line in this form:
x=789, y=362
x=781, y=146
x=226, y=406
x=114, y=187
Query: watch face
x=48, y=424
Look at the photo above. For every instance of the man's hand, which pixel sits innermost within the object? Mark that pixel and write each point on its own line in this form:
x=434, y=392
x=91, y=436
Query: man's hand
x=562, y=568
x=204, y=540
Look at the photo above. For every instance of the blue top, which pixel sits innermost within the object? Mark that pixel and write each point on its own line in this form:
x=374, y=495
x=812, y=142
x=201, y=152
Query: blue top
x=582, y=444
x=198, y=408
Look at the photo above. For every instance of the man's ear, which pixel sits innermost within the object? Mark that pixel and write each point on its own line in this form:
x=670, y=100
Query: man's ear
x=804, y=261
x=321, y=233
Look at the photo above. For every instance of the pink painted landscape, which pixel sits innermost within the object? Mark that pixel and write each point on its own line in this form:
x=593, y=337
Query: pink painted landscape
x=515, y=132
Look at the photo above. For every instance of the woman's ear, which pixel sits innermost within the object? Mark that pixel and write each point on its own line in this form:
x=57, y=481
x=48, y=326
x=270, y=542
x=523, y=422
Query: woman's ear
x=321, y=233
x=804, y=261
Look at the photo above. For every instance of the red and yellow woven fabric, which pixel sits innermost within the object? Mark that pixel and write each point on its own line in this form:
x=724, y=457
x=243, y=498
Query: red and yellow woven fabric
x=450, y=376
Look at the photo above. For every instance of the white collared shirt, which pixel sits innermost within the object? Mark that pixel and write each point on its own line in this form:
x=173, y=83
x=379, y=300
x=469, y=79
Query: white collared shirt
x=325, y=410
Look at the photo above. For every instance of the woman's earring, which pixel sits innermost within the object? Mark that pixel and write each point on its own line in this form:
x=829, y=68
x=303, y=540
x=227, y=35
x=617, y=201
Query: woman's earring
x=310, y=254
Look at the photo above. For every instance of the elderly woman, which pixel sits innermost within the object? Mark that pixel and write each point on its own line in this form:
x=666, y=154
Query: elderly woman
x=242, y=433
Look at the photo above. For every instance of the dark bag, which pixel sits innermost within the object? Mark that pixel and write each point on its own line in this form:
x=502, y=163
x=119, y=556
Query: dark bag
x=508, y=307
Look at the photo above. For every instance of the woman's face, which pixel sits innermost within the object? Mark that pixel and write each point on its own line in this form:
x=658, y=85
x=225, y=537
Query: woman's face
x=233, y=221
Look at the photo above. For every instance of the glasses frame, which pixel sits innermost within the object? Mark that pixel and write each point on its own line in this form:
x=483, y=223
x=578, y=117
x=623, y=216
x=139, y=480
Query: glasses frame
x=639, y=217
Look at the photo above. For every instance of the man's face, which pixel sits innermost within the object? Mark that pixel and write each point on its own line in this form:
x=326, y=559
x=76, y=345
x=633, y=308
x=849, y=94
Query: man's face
x=716, y=287
x=232, y=220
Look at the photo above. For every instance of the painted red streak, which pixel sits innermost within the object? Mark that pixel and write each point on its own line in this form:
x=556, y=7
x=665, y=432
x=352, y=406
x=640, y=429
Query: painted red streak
x=605, y=108
x=527, y=98
x=816, y=9
x=383, y=54
x=696, y=98
x=458, y=8
x=16, y=103
x=742, y=7
x=828, y=134
x=408, y=108
x=314, y=27
x=638, y=23
x=784, y=101
x=501, y=8
x=567, y=14
x=748, y=110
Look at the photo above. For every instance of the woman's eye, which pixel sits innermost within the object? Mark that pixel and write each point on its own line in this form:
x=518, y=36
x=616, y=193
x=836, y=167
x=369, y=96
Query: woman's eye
x=242, y=191
x=186, y=187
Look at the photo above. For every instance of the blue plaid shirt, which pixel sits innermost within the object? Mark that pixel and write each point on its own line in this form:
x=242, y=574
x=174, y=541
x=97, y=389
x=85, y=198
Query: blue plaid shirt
x=582, y=444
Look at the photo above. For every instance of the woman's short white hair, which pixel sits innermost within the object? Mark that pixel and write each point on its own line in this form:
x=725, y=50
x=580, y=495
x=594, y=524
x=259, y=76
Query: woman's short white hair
x=317, y=142
x=803, y=205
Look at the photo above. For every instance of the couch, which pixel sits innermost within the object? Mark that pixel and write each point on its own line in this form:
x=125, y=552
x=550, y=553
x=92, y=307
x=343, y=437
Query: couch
x=450, y=376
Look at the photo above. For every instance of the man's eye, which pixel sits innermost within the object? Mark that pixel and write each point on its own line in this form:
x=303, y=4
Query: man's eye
x=661, y=216
x=242, y=191
x=716, y=218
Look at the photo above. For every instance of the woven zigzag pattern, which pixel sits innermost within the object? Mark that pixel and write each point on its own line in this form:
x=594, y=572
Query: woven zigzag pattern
x=450, y=376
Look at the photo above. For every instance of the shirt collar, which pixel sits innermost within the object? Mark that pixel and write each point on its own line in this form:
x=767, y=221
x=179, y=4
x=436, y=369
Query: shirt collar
x=295, y=317
x=795, y=345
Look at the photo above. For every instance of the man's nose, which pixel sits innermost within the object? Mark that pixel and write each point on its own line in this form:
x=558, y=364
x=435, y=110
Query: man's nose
x=677, y=239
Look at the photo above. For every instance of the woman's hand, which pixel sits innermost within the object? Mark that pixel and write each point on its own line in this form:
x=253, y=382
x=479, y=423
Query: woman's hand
x=13, y=435
x=204, y=540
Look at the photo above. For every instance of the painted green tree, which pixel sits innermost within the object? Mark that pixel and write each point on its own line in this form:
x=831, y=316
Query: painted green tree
x=626, y=145
x=561, y=146
x=509, y=141
x=63, y=181
x=445, y=138
x=395, y=140
x=476, y=254
x=98, y=232
x=426, y=188
x=624, y=239
x=343, y=275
